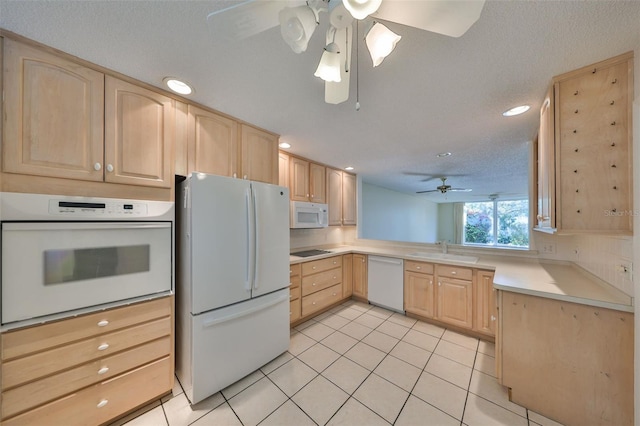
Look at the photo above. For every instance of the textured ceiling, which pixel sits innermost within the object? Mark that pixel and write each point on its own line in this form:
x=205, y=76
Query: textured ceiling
x=432, y=94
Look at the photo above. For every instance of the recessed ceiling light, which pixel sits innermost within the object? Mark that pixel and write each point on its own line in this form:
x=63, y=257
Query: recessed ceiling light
x=516, y=110
x=284, y=145
x=178, y=86
x=348, y=168
x=443, y=154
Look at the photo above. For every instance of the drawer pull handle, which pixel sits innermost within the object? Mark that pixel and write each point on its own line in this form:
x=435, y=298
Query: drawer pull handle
x=103, y=346
x=313, y=267
x=313, y=284
x=417, y=267
x=102, y=403
x=453, y=272
x=103, y=323
x=103, y=370
x=313, y=303
x=334, y=294
x=334, y=262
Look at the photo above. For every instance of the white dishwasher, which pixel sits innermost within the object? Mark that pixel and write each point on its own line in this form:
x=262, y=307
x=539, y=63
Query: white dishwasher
x=385, y=282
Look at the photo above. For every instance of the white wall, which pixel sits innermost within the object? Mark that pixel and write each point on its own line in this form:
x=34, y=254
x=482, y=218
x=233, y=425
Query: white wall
x=395, y=216
x=446, y=227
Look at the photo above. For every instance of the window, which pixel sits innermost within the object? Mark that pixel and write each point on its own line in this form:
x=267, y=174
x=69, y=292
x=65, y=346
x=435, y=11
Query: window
x=503, y=223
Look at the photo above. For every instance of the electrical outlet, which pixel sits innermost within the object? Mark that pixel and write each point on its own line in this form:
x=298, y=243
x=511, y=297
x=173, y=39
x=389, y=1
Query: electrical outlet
x=549, y=248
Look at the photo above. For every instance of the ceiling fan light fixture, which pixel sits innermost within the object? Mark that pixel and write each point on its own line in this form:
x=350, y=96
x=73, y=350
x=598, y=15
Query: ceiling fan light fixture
x=178, y=86
x=516, y=110
x=297, y=25
x=360, y=9
x=380, y=41
x=329, y=66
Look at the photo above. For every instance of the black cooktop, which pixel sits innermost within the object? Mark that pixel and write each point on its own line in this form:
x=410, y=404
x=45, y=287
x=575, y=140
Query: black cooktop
x=308, y=253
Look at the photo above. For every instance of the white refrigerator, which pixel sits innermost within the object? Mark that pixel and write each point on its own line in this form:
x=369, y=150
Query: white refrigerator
x=233, y=280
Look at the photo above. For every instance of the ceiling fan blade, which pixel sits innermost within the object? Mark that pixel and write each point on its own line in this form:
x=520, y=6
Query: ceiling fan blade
x=424, y=192
x=449, y=17
x=247, y=18
x=459, y=190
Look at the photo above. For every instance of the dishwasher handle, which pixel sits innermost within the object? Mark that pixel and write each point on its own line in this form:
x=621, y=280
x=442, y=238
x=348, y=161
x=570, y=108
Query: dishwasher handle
x=389, y=260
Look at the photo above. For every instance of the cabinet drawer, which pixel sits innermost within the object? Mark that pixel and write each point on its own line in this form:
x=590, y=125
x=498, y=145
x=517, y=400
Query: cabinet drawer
x=321, y=299
x=31, y=395
x=104, y=401
x=294, y=281
x=295, y=269
x=42, y=364
x=321, y=265
x=33, y=339
x=422, y=267
x=316, y=282
x=458, y=272
x=294, y=310
x=294, y=293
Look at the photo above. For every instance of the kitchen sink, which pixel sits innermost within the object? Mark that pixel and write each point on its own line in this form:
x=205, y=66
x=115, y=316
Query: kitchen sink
x=444, y=256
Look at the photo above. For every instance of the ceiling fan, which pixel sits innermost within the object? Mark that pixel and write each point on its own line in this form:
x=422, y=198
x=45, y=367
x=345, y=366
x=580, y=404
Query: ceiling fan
x=298, y=20
x=444, y=188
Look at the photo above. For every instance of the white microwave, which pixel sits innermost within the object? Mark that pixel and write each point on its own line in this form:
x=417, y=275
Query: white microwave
x=309, y=215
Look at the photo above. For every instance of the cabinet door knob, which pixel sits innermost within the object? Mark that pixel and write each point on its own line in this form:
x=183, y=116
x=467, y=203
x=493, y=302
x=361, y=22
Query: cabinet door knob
x=110, y=168
x=313, y=284
x=103, y=346
x=103, y=323
x=439, y=283
x=97, y=167
x=313, y=303
x=334, y=262
x=493, y=318
x=313, y=267
x=102, y=403
x=103, y=370
x=417, y=267
x=334, y=294
x=453, y=272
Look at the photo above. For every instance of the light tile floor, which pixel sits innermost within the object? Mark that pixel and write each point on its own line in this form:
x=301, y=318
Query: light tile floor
x=358, y=365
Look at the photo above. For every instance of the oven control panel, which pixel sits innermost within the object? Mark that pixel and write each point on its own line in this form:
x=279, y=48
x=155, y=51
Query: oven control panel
x=105, y=210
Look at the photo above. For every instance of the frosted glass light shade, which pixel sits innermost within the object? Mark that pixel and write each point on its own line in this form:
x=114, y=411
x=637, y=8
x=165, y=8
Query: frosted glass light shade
x=381, y=41
x=360, y=9
x=329, y=66
x=297, y=25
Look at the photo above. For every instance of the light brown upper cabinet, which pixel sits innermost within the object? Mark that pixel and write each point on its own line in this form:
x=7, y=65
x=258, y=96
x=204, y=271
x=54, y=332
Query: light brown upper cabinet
x=307, y=181
x=283, y=169
x=212, y=143
x=592, y=164
x=139, y=135
x=54, y=115
x=545, y=216
x=341, y=197
x=259, y=154
x=65, y=120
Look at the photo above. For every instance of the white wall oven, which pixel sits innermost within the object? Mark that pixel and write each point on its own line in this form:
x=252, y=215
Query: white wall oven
x=66, y=255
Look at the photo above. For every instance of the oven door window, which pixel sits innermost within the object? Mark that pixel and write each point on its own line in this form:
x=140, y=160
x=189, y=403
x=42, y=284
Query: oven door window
x=61, y=266
x=55, y=267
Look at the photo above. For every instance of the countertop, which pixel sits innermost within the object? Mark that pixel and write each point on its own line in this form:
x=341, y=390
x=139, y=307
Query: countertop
x=553, y=280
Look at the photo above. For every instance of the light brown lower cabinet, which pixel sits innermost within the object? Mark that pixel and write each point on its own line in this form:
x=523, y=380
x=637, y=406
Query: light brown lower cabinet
x=486, y=314
x=347, y=275
x=321, y=284
x=88, y=369
x=419, y=289
x=360, y=276
x=570, y=362
x=295, y=307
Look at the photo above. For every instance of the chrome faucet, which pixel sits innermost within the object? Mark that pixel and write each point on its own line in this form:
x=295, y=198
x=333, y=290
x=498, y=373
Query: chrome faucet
x=443, y=243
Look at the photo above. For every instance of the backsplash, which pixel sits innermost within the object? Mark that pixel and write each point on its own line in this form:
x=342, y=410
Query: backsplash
x=604, y=256
x=323, y=237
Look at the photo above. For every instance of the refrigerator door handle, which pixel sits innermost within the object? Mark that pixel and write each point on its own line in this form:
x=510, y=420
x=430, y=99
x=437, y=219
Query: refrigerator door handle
x=251, y=239
x=230, y=317
x=256, y=240
x=250, y=259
